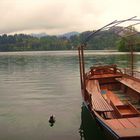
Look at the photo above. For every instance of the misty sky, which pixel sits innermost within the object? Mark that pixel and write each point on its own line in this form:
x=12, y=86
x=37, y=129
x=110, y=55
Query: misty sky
x=61, y=16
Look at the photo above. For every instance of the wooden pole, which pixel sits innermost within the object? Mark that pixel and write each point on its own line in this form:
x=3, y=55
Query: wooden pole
x=80, y=67
x=132, y=60
x=83, y=67
x=130, y=44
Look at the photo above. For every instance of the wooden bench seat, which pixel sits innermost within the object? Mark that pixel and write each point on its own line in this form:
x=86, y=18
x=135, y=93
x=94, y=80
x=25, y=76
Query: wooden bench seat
x=135, y=85
x=99, y=104
x=122, y=109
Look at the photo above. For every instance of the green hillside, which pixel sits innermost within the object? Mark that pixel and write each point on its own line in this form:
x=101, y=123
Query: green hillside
x=21, y=42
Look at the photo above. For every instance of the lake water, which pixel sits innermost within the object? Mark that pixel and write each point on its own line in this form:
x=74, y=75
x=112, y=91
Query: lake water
x=35, y=85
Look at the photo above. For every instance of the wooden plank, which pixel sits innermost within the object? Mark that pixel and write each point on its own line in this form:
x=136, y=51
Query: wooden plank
x=127, y=133
x=115, y=124
x=101, y=76
x=135, y=121
x=98, y=102
x=114, y=98
x=135, y=85
x=126, y=123
x=122, y=131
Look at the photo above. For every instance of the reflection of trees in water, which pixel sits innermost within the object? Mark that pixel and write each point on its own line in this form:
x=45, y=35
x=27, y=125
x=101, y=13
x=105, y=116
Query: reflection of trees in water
x=37, y=61
x=137, y=61
x=88, y=129
x=121, y=60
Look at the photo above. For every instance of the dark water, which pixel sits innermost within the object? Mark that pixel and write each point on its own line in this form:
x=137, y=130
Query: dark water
x=34, y=85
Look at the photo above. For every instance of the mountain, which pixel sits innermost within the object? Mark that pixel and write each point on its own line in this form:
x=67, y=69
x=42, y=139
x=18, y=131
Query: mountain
x=39, y=35
x=69, y=34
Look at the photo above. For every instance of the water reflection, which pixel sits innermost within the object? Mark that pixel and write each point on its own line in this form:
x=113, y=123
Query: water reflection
x=88, y=129
x=33, y=87
x=120, y=60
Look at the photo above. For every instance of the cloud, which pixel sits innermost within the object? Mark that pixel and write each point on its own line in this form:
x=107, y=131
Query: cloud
x=59, y=16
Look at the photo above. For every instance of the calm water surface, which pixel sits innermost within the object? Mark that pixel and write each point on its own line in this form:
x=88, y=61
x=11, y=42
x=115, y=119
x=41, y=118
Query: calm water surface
x=34, y=85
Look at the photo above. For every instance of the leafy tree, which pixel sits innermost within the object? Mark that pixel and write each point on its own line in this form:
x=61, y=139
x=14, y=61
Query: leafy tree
x=124, y=44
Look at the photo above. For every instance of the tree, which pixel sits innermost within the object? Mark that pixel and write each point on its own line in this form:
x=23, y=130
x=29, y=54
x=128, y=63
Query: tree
x=129, y=41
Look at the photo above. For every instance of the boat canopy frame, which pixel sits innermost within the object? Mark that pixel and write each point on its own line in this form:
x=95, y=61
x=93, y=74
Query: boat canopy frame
x=84, y=44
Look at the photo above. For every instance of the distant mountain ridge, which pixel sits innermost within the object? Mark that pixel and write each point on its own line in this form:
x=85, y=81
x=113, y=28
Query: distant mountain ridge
x=67, y=35
x=39, y=35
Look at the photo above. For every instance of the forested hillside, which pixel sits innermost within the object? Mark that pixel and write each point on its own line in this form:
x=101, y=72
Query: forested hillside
x=22, y=42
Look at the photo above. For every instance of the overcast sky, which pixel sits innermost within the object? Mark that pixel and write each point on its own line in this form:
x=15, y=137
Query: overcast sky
x=61, y=16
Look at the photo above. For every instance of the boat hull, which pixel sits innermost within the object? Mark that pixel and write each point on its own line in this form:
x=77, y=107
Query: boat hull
x=105, y=130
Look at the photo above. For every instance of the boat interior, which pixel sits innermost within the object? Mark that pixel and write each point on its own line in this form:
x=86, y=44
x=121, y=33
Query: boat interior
x=114, y=96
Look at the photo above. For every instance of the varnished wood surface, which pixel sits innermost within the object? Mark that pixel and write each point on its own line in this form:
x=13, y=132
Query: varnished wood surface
x=135, y=121
x=124, y=123
x=98, y=102
x=133, y=133
x=135, y=85
x=121, y=109
x=99, y=76
x=114, y=98
x=125, y=126
x=115, y=124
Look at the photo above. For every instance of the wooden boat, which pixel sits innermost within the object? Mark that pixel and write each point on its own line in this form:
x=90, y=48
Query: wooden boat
x=113, y=98
x=118, y=117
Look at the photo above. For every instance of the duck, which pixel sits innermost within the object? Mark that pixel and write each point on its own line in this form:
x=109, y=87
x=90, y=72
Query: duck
x=52, y=120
